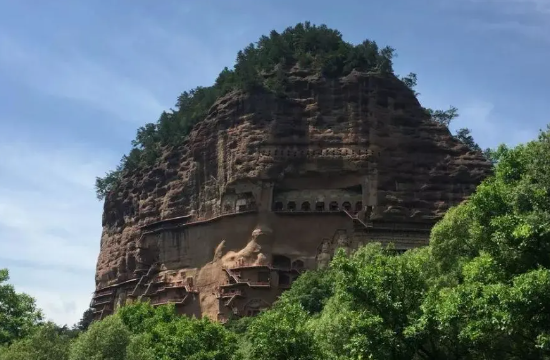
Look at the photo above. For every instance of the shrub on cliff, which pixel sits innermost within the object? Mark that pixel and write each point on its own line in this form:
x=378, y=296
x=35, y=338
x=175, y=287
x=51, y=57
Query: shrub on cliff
x=259, y=65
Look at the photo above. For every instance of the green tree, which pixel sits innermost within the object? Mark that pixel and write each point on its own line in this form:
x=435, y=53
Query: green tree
x=444, y=117
x=141, y=317
x=262, y=66
x=105, y=340
x=106, y=184
x=493, y=256
x=377, y=300
x=311, y=291
x=86, y=320
x=159, y=333
x=282, y=333
x=465, y=136
x=411, y=81
x=184, y=338
x=18, y=312
x=44, y=343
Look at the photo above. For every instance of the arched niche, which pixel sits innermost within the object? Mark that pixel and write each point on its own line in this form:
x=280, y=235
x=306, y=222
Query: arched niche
x=298, y=264
x=333, y=206
x=359, y=206
x=320, y=206
x=278, y=206
x=284, y=279
x=281, y=262
x=306, y=206
x=346, y=205
x=291, y=206
x=254, y=306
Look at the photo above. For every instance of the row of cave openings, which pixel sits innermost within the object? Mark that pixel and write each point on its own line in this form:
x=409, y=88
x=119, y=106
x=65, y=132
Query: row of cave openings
x=302, y=153
x=319, y=206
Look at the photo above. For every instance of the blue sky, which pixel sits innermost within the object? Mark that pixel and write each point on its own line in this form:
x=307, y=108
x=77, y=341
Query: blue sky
x=78, y=77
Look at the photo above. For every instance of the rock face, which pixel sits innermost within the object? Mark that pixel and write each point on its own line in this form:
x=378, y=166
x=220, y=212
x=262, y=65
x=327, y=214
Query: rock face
x=267, y=186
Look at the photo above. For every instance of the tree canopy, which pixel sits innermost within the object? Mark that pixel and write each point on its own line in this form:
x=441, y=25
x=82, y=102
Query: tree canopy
x=479, y=290
x=18, y=312
x=260, y=65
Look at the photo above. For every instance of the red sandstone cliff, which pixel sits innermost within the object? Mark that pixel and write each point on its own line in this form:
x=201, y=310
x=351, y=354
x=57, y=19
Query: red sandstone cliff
x=327, y=128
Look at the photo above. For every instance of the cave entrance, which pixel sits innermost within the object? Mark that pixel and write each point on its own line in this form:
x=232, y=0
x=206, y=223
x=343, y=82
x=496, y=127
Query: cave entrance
x=284, y=279
x=347, y=206
x=298, y=264
x=291, y=206
x=263, y=277
x=281, y=262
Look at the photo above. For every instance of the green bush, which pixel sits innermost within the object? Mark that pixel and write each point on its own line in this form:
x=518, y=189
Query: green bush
x=259, y=65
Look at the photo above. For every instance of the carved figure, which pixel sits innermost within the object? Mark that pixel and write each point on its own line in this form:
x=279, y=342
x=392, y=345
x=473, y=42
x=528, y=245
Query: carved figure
x=130, y=258
x=368, y=213
x=141, y=259
x=121, y=299
x=342, y=241
x=324, y=256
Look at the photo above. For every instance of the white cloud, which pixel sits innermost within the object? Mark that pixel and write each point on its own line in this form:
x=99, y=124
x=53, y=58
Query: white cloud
x=63, y=297
x=50, y=219
x=488, y=128
x=50, y=223
x=69, y=75
x=529, y=18
x=541, y=7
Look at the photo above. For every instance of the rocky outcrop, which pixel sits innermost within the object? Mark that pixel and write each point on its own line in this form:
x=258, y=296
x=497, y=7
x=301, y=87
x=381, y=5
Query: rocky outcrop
x=360, y=130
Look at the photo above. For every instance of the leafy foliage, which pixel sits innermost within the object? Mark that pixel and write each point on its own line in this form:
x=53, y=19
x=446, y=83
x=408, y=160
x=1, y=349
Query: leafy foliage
x=282, y=334
x=464, y=135
x=85, y=321
x=18, y=312
x=258, y=66
x=104, y=340
x=44, y=343
x=478, y=291
x=311, y=292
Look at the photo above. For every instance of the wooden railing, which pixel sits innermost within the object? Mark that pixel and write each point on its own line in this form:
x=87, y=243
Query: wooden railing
x=179, y=285
x=354, y=217
x=221, y=293
x=248, y=282
x=103, y=294
x=177, y=300
x=241, y=264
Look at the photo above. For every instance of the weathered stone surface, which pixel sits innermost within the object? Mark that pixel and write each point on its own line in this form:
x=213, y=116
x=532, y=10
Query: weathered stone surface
x=362, y=140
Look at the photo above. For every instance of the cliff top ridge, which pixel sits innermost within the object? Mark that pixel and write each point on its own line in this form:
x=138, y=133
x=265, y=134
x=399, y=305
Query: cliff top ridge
x=263, y=66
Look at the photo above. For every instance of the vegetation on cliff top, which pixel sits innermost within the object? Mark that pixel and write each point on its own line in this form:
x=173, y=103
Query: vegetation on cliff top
x=478, y=291
x=259, y=65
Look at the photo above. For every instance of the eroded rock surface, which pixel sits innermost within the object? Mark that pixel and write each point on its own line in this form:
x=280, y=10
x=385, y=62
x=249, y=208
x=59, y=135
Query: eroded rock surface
x=266, y=186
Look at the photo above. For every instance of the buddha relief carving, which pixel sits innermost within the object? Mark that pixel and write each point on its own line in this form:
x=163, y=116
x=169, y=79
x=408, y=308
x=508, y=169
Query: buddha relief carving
x=343, y=241
x=324, y=255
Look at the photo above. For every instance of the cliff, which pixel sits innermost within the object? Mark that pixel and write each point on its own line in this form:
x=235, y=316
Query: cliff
x=362, y=137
